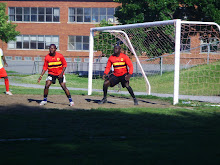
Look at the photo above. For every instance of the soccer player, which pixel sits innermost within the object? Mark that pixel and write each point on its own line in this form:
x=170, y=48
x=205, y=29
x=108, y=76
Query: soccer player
x=56, y=65
x=121, y=74
x=3, y=73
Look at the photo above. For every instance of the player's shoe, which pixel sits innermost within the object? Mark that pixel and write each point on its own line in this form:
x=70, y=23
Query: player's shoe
x=104, y=100
x=71, y=103
x=43, y=102
x=135, y=101
x=8, y=93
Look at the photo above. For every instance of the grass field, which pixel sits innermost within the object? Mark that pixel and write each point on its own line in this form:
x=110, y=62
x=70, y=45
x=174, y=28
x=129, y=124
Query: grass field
x=154, y=136
x=199, y=80
x=110, y=136
x=182, y=135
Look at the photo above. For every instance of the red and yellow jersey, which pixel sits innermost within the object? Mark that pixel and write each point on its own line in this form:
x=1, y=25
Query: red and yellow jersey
x=120, y=65
x=54, y=64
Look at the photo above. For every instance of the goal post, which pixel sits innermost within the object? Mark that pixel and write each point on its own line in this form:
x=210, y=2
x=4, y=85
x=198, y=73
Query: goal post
x=165, y=55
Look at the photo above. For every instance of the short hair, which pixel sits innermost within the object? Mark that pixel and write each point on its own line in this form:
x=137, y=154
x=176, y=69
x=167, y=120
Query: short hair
x=117, y=46
x=53, y=45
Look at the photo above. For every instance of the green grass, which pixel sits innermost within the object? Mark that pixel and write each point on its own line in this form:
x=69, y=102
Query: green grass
x=152, y=136
x=72, y=80
x=36, y=91
x=198, y=80
x=110, y=136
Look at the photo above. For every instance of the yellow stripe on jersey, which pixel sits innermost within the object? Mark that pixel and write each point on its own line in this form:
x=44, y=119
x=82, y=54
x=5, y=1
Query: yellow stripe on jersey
x=118, y=63
x=54, y=63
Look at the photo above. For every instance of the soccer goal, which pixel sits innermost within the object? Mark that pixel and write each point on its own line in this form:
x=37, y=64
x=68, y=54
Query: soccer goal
x=174, y=58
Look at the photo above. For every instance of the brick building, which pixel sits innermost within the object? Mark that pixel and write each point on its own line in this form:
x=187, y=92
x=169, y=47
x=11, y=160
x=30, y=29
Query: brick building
x=66, y=23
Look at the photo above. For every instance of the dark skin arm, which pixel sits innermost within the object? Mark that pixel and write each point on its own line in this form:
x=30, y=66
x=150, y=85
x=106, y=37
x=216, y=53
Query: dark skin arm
x=104, y=75
x=4, y=60
x=61, y=74
x=127, y=77
x=42, y=73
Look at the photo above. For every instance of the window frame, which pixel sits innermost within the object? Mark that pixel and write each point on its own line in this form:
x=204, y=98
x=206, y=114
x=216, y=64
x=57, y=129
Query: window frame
x=77, y=59
x=210, y=44
x=18, y=58
x=54, y=39
x=76, y=43
x=186, y=43
x=34, y=15
x=94, y=16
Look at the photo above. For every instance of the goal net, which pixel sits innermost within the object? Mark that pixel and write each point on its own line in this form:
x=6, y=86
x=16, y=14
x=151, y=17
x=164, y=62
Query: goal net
x=178, y=59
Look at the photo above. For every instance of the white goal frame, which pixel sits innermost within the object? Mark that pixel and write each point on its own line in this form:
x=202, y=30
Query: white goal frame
x=177, y=24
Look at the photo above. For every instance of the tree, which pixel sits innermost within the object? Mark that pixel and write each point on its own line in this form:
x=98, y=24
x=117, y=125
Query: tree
x=104, y=42
x=137, y=11
x=7, y=29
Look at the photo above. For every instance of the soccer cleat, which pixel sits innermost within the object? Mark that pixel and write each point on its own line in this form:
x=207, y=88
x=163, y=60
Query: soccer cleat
x=43, y=102
x=8, y=93
x=135, y=101
x=104, y=100
x=71, y=103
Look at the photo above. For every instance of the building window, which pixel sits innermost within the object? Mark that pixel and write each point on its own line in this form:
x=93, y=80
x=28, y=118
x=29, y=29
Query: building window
x=34, y=42
x=86, y=59
x=68, y=59
x=18, y=58
x=185, y=45
x=28, y=58
x=96, y=60
x=211, y=45
x=37, y=59
x=34, y=14
x=77, y=60
x=78, y=43
x=8, y=58
x=94, y=15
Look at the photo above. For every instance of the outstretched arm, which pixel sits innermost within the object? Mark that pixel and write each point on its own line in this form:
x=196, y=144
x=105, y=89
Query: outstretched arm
x=4, y=60
x=41, y=75
x=131, y=68
x=107, y=68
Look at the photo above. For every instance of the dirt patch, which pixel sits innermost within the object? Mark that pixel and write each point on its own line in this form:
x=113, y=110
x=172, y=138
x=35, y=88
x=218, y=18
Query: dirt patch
x=81, y=102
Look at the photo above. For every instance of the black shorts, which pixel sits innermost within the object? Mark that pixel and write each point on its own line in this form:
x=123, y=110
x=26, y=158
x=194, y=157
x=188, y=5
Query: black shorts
x=53, y=79
x=114, y=80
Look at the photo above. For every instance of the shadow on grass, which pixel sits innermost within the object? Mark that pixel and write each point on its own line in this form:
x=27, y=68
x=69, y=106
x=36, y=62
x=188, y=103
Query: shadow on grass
x=38, y=101
x=109, y=136
x=139, y=99
x=97, y=101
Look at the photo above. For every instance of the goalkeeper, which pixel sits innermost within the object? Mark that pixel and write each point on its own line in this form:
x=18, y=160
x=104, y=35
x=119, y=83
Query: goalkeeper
x=121, y=74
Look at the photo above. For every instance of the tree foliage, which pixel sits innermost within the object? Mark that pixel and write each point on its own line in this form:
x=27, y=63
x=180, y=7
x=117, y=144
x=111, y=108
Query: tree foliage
x=137, y=11
x=103, y=41
x=7, y=29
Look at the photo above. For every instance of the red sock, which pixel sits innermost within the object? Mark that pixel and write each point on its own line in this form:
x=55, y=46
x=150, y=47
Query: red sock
x=7, y=84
